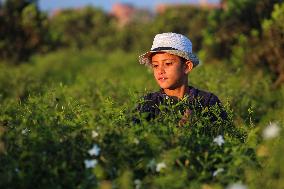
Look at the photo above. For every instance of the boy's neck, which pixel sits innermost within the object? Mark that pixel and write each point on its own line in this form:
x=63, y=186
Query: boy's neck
x=178, y=92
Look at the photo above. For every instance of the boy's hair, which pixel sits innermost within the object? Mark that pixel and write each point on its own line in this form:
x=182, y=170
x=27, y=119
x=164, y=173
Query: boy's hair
x=182, y=60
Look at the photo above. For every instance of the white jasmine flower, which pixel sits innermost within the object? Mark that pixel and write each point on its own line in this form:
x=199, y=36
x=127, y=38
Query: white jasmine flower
x=219, y=170
x=90, y=163
x=94, y=134
x=95, y=150
x=136, y=141
x=237, y=186
x=137, y=183
x=219, y=140
x=160, y=166
x=151, y=165
x=25, y=131
x=271, y=131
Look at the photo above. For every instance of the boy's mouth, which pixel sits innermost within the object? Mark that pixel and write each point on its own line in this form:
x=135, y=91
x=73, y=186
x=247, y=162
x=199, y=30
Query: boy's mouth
x=162, y=78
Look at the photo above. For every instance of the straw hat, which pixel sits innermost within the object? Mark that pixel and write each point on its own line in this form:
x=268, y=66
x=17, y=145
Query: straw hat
x=172, y=43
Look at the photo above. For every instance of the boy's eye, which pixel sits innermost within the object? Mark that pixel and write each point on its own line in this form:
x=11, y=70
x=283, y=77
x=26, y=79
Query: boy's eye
x=169, y=63
x=154, y=66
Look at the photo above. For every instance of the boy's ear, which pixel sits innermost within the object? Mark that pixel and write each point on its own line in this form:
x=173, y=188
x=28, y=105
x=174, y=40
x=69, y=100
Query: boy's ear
x=188, y=65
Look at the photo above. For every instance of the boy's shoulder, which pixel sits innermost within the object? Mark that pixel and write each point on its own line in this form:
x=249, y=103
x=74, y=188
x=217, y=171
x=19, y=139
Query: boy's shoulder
x=206, y=98
x=154, y=97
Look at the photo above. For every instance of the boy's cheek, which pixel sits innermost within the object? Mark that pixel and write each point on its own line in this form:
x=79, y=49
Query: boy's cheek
x=156, y=76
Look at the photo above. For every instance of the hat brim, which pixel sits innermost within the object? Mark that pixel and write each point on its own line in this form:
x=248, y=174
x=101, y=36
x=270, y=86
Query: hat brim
x=146, y=57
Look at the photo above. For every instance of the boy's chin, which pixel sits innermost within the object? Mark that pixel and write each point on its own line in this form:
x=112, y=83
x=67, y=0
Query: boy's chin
x=168, y=86
x=165, y=86
x=162, y=86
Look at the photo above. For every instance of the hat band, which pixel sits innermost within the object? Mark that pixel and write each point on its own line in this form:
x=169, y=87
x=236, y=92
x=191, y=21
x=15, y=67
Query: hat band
x=163, y=48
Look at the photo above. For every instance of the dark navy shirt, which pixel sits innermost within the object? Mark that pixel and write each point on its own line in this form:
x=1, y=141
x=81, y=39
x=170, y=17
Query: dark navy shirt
x=196, y=100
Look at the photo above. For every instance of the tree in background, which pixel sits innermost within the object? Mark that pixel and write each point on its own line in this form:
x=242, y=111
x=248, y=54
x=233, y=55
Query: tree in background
x=248, y=32
x=23, y=30
x=78, y=28
x=238, y=17
x=188, y=20
x=266, y=48
x=242, y=32
x=185, y=19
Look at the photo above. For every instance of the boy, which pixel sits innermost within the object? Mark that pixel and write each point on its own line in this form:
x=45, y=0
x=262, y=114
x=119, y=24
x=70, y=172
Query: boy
x=171, y=59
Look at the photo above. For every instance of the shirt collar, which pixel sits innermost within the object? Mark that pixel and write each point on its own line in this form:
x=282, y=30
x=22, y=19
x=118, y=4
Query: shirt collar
x=190, y=93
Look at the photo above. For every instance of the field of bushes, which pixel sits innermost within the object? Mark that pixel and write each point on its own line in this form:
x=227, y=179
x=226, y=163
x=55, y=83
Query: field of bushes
x=70, y=83
x=66, y=122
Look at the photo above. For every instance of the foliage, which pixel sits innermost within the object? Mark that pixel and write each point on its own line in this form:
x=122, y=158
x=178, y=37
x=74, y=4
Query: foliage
x=66, y=122
x=237, y=18
x=67, y=117
x=23, y=30
x=187, y=20
x=268, y=45
x=78, y=28
x=248, y=33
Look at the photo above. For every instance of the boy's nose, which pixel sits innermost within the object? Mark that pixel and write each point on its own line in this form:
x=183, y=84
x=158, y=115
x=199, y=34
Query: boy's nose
x=161, y=70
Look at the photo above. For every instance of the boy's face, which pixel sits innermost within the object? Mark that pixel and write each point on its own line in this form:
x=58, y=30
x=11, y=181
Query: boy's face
x=169, y=71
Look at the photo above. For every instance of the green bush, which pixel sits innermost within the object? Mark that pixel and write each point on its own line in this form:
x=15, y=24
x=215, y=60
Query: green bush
x=66, y=122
